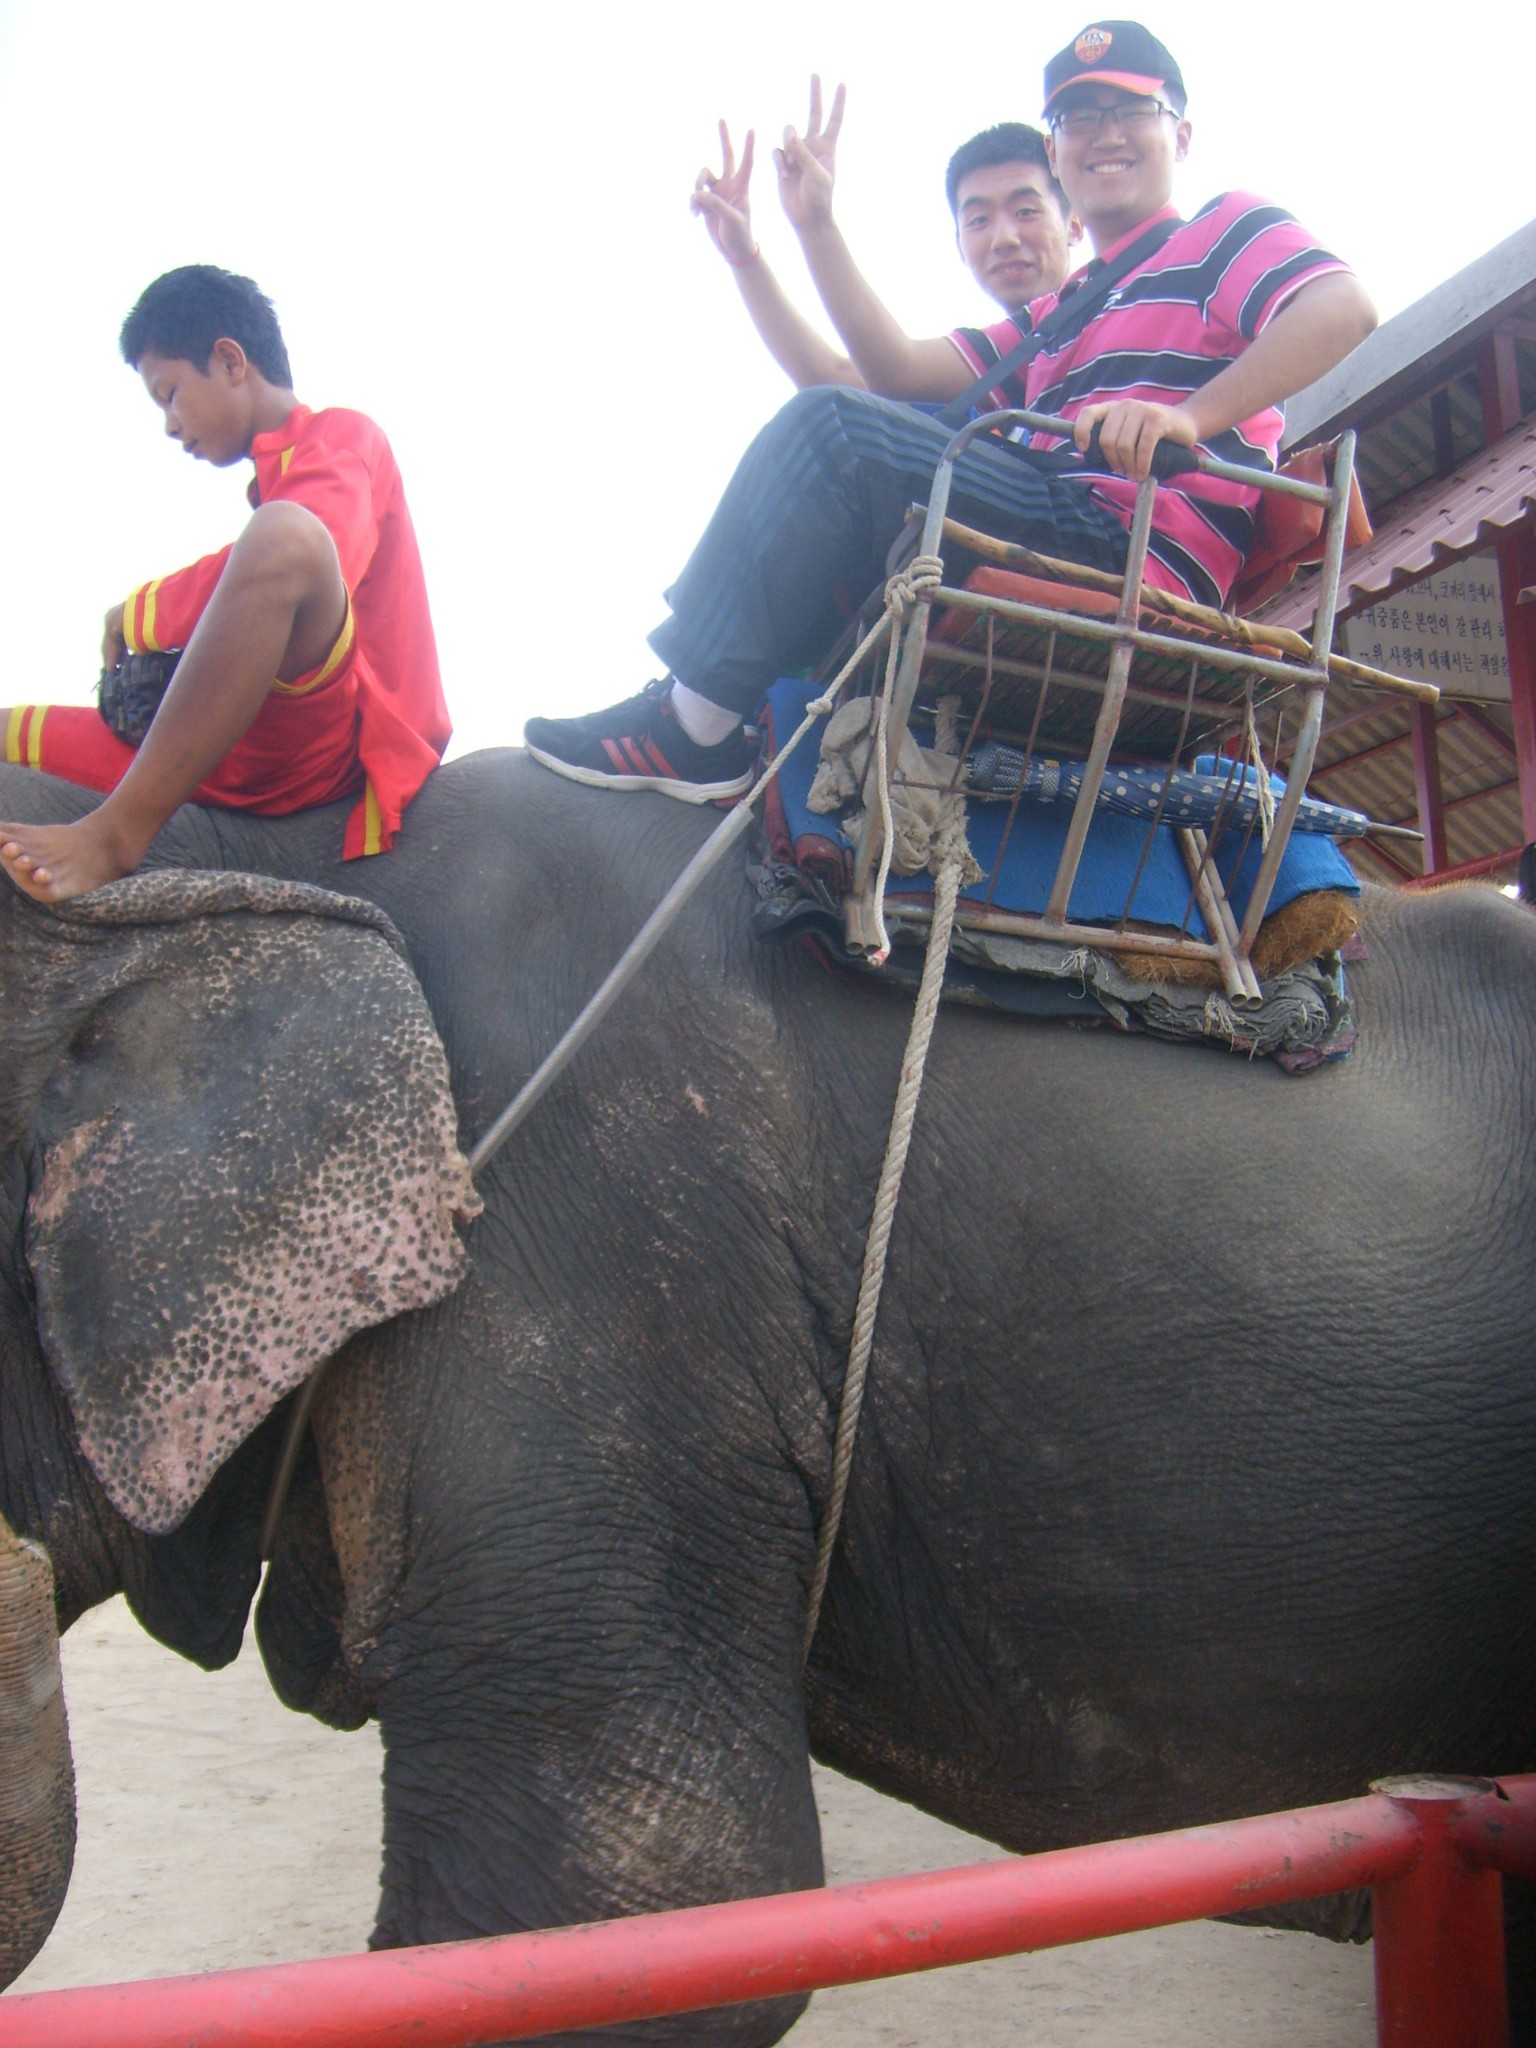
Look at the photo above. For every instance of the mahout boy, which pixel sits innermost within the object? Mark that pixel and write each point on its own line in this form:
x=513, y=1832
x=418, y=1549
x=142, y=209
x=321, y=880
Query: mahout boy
x=308, y=667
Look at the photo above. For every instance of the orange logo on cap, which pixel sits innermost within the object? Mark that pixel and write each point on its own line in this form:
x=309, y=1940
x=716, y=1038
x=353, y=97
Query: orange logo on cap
x=1091, y=45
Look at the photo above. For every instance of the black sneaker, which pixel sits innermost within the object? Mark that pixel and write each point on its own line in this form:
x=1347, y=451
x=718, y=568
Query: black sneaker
x=640, y=744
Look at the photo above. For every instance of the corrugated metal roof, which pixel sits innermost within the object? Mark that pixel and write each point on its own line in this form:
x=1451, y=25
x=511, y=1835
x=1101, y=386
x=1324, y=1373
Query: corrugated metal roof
x=1365, y=760
x=1401, y=452
x=1419, y=393
x=1443, y=519
x=1447, y=321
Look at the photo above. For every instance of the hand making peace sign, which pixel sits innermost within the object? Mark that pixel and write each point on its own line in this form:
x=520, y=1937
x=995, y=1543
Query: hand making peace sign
x=722, y=203
x=807, y=164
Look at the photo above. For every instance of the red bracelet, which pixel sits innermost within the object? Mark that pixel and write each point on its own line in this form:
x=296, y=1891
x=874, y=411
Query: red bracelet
x=746, y=262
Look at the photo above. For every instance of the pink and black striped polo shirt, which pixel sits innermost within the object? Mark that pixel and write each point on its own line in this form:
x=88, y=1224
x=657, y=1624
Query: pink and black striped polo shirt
x=1169, y=328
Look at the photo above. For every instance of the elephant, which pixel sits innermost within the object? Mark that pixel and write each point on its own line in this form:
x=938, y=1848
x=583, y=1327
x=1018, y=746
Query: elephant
x=1193, y=1478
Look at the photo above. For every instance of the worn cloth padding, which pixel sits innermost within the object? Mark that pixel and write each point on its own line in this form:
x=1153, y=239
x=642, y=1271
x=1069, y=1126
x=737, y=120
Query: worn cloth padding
x=248, y=1152
x=1028, y=868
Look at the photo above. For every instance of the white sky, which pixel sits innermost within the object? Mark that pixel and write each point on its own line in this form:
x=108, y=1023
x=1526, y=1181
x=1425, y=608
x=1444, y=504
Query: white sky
x=473, y=221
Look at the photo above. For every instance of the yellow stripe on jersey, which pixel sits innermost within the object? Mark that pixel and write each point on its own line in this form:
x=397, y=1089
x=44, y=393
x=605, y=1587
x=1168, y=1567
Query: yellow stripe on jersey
x=331, y=664
x=13, y=733
x=35, y=736
x=147, y=630
x=373, y=824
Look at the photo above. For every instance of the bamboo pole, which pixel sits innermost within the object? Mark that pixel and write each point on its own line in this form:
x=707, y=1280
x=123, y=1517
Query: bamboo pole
x=955, y=654
x=1247, y=632
x=1103, y=938
x=1241, y=980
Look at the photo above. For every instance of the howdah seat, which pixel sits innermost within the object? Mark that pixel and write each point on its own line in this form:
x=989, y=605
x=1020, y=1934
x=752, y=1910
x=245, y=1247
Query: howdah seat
x=1092, y=674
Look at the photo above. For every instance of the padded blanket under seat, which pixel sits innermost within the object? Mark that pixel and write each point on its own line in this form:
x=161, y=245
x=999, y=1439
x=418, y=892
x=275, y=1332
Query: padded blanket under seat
x=1021, y=881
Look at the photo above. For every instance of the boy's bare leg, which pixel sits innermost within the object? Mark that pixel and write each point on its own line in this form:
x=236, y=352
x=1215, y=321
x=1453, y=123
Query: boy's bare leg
x=276, y=612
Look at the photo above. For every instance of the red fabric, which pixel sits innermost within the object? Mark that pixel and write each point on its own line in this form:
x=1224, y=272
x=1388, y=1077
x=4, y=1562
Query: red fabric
x=988, y=581
x=372, y=719
x=296, y=752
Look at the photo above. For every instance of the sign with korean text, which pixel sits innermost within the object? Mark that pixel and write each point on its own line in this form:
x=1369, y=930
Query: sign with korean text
x=1449, y=630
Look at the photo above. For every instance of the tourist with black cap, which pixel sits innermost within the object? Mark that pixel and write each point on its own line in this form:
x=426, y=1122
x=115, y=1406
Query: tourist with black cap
x=1194, y=331
x=1215, y=321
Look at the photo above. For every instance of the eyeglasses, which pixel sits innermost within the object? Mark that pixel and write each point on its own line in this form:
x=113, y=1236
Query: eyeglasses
x=1127, y=115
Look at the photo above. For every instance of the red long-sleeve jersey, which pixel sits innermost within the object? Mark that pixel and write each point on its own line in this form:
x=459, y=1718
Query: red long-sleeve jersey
x=374, y=711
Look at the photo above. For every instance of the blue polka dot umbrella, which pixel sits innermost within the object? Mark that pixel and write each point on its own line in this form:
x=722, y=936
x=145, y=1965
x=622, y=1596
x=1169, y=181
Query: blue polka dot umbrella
x=1211, y=793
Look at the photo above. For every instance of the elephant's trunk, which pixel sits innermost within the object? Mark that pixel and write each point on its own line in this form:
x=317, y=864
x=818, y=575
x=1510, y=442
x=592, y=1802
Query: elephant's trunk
x=37, y=1776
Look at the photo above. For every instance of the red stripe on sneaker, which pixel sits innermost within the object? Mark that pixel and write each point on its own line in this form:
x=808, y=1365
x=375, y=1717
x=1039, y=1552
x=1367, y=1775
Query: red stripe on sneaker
x=638, y=757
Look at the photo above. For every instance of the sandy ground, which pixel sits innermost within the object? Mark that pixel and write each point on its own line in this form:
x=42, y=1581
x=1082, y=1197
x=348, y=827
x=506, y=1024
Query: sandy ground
x=218, y=1829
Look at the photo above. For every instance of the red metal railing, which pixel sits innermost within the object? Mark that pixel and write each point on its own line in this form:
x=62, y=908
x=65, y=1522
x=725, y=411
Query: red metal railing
x=1432, y=1851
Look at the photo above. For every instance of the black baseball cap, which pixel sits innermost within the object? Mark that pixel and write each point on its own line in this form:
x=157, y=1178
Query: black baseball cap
x=1119, y=53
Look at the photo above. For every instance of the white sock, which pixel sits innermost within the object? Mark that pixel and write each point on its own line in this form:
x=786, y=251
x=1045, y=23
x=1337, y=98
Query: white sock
x=706, y=724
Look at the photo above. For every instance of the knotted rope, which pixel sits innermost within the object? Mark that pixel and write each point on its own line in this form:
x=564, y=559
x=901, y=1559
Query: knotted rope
x=908, y=588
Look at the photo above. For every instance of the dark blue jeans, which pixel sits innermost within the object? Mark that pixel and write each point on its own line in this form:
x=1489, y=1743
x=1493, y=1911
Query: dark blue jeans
x=812, y=510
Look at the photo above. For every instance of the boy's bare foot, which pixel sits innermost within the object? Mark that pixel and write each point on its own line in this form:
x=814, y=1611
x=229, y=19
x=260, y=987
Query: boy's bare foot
x=54, y=862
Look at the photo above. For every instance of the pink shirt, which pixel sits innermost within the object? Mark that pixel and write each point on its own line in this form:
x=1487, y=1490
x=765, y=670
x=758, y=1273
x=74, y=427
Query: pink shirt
x=1173, y=324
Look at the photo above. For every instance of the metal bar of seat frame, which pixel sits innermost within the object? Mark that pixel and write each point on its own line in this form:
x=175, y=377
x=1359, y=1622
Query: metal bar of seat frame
x=1230, y=947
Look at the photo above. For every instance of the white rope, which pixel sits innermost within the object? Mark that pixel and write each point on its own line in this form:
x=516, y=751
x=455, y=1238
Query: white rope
x=946, y=890
x=912, y=586
x=952, y=851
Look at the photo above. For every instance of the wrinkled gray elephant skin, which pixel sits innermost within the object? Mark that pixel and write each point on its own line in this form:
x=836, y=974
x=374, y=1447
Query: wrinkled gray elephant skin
x=37, y=1785
x=248, y=1153
x=1195, y=1471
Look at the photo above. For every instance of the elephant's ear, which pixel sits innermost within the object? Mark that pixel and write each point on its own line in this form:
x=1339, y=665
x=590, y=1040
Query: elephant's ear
x=248, y=1153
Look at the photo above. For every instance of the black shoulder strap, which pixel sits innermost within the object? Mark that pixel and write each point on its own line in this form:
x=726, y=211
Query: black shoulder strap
x=1065, y=320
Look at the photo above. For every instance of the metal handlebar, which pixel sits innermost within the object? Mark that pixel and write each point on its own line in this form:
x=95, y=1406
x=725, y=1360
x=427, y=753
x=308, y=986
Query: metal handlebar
x=1169, y=458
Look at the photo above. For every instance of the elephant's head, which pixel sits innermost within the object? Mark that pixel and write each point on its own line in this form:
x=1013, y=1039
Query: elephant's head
x=231, y=1146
